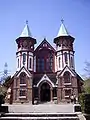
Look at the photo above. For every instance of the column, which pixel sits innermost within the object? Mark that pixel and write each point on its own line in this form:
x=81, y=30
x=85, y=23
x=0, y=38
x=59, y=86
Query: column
x=58, y=94
x=51, y=93
x=39, y=94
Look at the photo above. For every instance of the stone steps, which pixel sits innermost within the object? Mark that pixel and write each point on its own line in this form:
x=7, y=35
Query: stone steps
x=39, y=116
x=45, y=108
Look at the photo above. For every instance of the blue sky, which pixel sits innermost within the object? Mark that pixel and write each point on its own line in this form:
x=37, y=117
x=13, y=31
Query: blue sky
x=44, y=17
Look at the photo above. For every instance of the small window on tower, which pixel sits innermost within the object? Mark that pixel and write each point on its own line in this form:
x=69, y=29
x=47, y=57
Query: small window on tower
x=18, y=63
x=65, y=56
x=71, y=61
x=30, y=63
x=24, y=58
x=59, y=61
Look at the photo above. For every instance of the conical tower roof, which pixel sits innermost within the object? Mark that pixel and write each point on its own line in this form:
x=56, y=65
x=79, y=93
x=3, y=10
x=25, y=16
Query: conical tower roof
x=62, y=31
x=26, y=31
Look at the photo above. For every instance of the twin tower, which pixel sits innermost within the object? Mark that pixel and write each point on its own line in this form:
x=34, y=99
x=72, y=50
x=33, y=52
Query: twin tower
x=64, y=54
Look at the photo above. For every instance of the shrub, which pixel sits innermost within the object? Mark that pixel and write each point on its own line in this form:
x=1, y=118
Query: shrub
x=1, y=99
x=82, y=101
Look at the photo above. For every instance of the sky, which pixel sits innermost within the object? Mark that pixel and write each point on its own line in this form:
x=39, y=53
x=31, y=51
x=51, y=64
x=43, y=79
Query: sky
x=44, y=19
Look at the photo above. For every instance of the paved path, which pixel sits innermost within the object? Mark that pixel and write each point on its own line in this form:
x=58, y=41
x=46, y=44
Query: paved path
x=42, y=108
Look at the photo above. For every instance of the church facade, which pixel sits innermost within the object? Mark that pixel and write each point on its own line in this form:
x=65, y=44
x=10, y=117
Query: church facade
x=44, y=73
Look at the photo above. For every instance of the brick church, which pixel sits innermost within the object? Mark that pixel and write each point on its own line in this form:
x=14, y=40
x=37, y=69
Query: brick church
x=45, y=73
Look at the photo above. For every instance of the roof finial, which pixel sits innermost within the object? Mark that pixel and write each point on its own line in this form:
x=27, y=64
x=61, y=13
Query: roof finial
x=62, y=31
x=44, y=37
x=26, y=32
x=27, y=22
x=62, y=20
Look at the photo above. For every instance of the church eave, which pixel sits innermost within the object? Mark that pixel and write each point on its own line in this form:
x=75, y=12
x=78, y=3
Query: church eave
x=26, y=38
x=69, y=37
x=42, y=43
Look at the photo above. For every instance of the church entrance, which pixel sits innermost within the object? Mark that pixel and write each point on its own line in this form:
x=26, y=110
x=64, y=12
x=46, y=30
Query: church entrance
x=45, y=92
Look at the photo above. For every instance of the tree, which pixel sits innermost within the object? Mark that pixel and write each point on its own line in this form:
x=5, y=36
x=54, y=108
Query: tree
x=2, y=94
x=87, y=86
x=1, y=99
x=87, y=78
x=87, y=69
x=3, y=89
x=7, y=81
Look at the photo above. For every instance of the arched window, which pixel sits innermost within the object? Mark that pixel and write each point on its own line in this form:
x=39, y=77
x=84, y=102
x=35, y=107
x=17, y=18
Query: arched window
x=59, y=61
x=49, y=62
x=24, y=58
x=65, y=56
x=30, y=63
x=22, y=78
x=67, y=77
x=40, y=64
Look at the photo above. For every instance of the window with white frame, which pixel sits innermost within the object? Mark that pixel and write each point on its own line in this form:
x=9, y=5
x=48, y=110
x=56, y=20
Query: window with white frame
x=30, y=63
x=59, y=61
x=67, y=92
x=18, y=62
x=65, y=56
x=71, y=62
x=24, y=58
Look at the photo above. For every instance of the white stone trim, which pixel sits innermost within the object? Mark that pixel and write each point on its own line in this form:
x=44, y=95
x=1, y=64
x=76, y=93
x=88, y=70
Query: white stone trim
x=30, y=57
x=66, y=69
x=21, y=97
x=23, y=70
x=22, y=84
x=55, y=64
x=34, y=63
x=67, y=83
x=45, y=78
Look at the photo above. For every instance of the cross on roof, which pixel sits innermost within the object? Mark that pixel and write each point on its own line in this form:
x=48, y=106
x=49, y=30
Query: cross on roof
x=62, y=20
x=26, y=21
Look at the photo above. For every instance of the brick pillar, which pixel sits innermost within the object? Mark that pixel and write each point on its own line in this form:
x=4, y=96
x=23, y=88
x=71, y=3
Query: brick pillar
x=18, y=86
x=39, y=94
x=58, y=95
x=51, y=93
x=63, y=94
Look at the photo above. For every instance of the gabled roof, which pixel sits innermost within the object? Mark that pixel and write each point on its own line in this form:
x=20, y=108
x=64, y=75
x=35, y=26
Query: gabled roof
x=62, y=31
x=67, y=68
x=45, y=42
x=79, y=77
x=38, y=77
x=23, y=69
x=45, y=78
x=26, y=31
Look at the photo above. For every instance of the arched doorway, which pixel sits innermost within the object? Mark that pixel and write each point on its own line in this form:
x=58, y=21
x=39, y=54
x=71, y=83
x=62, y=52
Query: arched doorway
x=45, y=92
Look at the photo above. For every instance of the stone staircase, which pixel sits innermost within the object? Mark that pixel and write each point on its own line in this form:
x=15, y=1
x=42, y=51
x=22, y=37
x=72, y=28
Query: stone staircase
x=41, y=112
x=39, y=116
